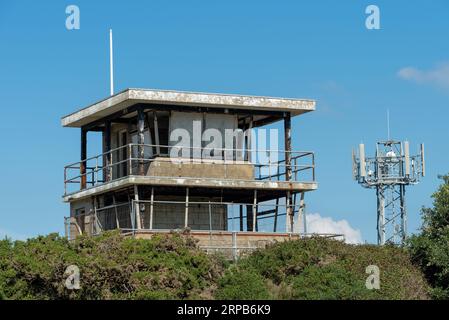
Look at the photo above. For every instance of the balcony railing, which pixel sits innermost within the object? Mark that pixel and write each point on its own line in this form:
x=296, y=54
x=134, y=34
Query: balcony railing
x=221, y=224
x=135, y=159
x=200, y=216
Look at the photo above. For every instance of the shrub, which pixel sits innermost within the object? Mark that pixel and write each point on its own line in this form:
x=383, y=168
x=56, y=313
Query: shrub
x=171, y=266
x=430, y=249
x=328, y=282
x=239, y=284
x=111, y=267
x=319, y=268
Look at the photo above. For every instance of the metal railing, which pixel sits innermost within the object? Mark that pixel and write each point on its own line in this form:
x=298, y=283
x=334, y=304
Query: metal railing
x=206, y=220
x=134, y=159
x=193, y=215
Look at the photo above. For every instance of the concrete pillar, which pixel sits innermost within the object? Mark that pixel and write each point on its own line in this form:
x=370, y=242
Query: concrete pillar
x=241, y=217
x=137, y=207
x=288, y=169
x=151, y=208
x=83, y=157
x=186, y=217
x=276, y=212
x=249, y=218
x=255, y=211
x=107, y=148
x=156, y=133
x=301, y=211
x=141, y=139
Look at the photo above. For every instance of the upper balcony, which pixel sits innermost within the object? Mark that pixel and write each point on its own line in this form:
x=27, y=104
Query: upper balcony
x=165, y=138
x=197, y=167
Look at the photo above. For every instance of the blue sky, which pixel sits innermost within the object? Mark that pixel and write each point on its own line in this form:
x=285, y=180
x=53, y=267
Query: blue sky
x=301, y=49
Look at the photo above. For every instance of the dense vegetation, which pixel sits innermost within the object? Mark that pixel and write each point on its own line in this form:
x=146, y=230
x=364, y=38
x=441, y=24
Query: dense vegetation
x=319, y=268
x=172, y=267
x=430, y=249
x=111, y=267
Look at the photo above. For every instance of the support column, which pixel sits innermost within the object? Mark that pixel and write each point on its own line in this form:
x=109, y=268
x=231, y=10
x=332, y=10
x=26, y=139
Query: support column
x=247, y=139
x=249, y=217
x=107, y=148
x=276, y=212
x=186, y=217
x=156, y=134
x=380, y=215
x=141, y=139
x=288, y=169
x=289, y=213
x=255, y=211
x=117, y=222
x=83, y=177
x=250, y=141
x=67, y=227
x=300, y=211
x=403, y=215
x=96, y=225
x=241, y=217
x=137, y=207
x=151, y=208
x=210, y=221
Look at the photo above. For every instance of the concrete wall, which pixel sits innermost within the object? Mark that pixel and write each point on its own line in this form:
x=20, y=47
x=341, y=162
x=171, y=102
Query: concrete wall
x=164, y=167
x=79, y=222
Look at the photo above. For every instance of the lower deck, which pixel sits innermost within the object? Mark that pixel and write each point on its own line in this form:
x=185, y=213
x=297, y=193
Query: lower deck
x=175, y=213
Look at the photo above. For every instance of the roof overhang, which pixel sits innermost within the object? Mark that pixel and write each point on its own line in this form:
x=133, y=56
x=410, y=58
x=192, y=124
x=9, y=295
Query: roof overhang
x=130, y=97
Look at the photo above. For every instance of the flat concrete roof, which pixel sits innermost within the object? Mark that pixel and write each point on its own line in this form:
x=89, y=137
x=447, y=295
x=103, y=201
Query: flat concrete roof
x=129, y=97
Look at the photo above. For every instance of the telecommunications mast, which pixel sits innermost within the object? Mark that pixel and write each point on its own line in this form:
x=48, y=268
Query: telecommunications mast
x=389, y=172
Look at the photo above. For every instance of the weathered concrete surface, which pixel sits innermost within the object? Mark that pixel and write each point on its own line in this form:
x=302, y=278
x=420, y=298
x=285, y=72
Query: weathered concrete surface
x=191, y=182
x=164, y=167
x=128, y=97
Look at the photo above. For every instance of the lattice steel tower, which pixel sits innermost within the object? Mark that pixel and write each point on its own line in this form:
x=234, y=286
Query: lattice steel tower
x=389, y=172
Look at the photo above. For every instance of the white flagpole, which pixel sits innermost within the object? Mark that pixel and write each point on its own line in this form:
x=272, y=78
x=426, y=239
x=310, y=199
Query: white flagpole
x=111, y=62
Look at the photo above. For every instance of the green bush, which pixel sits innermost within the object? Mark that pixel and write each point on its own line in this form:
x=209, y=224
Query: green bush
x=319, y=268
x=328, y=282
x=430, y=249
x=173, y=267
x=237, y=284
x=111, y=267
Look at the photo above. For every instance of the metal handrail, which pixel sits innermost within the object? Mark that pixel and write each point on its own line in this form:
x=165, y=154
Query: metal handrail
x=104, y=163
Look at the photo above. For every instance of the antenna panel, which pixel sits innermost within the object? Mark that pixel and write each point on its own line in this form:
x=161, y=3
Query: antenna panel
x=423, y=161
x=362, y=160
x=407, y=158
x=354, y=165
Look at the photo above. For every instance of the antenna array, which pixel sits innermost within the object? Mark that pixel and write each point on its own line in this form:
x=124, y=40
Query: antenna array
x=389, y=171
